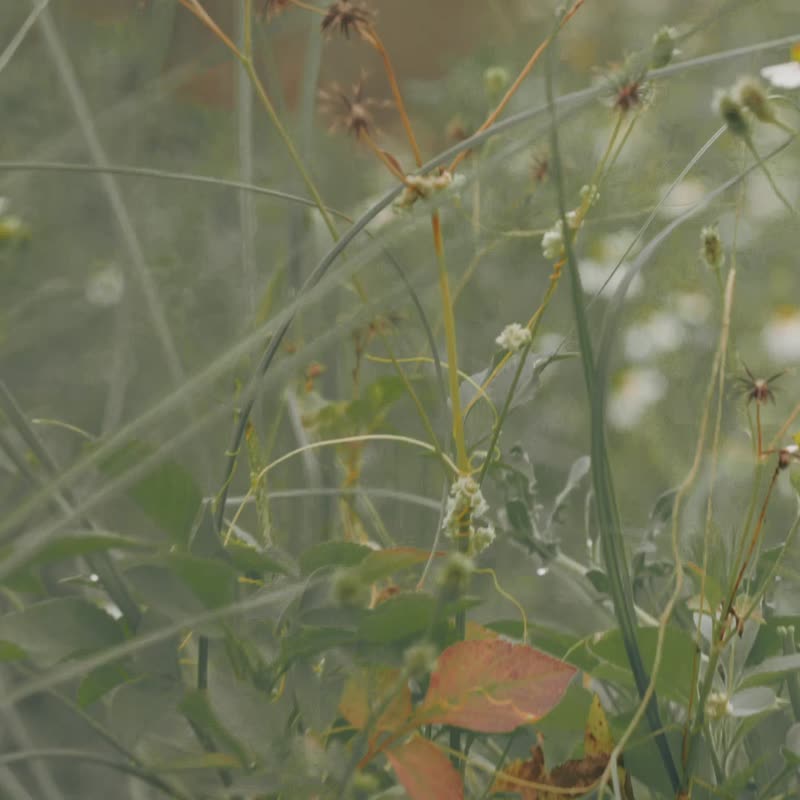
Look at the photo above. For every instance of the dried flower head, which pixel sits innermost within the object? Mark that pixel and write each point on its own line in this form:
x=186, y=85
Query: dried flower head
x=271, y=8
x=627, y=87
x=353, y=111
x=758, y=389
x=345, y=15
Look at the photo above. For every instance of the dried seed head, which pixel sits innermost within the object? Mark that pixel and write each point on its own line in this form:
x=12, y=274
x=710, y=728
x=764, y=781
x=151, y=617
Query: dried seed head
x=345, y=15
x=758, y=389
x=627, y=87
x=353, y=111
x=271, y=8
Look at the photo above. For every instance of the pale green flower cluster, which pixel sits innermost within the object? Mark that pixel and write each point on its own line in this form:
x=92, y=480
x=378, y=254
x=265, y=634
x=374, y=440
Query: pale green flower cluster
x=465, y=515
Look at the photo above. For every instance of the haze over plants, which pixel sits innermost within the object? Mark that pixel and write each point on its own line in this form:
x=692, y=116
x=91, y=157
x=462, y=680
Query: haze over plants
x=399, y=401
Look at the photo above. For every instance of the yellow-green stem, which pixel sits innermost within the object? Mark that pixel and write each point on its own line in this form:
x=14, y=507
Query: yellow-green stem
x=462, y=460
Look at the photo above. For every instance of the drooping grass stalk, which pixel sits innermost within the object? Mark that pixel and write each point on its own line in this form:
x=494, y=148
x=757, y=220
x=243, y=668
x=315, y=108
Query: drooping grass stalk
x=141, y=272
x=607, y=512
x=19, y=37
x=99, y=563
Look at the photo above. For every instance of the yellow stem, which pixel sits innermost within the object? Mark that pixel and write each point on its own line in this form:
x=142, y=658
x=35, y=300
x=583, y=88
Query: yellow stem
x=492, y=118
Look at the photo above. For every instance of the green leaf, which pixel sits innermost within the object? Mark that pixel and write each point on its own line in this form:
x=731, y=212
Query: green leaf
x=214, y=582
x=750, y=702
x=57, y=629
x=196, y=706
x=168, y=493
x=771, y=670
x=675, y=674
x=406, y=615
x=308, y=642
x=332, y=554
x=791, y=748
x=100, y=681
x=82, y=544
x=381, y=564
x=10, y=652
x=248, y=559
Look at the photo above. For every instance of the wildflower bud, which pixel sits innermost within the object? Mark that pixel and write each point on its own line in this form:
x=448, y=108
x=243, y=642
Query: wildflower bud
x=420, y=660
x=495, y=80
x=711, y=249
x=732, y=113
x=349, y=591
x=514, y=337
x=663, y=48
x=589, y=194
x=750, y=93
x=718, y=705
x=456, y=574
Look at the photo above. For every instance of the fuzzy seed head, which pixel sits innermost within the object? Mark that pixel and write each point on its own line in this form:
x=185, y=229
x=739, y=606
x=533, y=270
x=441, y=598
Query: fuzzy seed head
x=711, y=249
x=732, y=113
x=751, y=94
x=349, y=590
x=420, y=660
x=456, y=574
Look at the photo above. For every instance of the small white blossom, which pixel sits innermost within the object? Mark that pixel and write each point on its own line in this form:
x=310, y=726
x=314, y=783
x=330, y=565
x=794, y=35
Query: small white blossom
x=466, y=506
x=553, y=241
x=589, y=194
x=482, y=538
x=514, y=337
x=718, y=705
x=574, y=218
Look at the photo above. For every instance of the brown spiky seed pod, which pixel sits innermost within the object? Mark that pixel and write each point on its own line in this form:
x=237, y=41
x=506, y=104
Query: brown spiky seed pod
x=346, y=15
x=353, y=111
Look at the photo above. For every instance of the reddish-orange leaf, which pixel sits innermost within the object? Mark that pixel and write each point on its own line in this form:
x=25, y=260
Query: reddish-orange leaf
x=494, y=686
x=368, y=690
x=425, y=771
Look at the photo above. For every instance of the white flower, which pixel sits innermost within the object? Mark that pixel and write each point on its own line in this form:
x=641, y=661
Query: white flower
x=786, y=75
x=781, y=336
x=661, y=333
x=636, y=393
x=105, y=288
x=466, y=506
x=718, y=705
x=514, y=337
x=596, y=276
x=553, y=241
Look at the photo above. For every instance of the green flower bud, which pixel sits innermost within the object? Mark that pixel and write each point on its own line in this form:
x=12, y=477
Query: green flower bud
x=349, y=590
x=663, y=47
x=751, y=94
x=420, y=660
x=456, y=574
x=496, y=80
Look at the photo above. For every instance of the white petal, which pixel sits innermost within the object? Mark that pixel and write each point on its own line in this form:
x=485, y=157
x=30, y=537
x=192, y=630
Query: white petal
x=786, y=76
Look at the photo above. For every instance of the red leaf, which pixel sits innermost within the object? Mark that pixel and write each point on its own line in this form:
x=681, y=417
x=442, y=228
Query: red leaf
x=425, y=771
x=494, y=686
x=368, y=690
